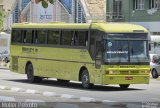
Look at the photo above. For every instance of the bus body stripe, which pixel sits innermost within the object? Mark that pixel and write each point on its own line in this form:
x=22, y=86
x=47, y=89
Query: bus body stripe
x=54, y=60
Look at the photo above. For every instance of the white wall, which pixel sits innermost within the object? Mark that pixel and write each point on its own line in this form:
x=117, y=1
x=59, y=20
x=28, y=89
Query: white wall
x=151, y=26
x=42, y=15
x=54, y=12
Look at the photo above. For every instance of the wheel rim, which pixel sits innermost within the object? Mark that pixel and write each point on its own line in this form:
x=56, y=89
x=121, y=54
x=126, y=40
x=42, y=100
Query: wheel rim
x=85, y=80
x=154, y=73
x=30, y=73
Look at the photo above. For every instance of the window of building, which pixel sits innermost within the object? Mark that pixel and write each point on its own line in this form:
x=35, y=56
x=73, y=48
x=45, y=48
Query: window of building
x=53, y=37
x=16, y=36
x=139, y=4
x=1, y=7
x=154, y=4
x=67, y=38
x=117, y=9
x=41, y=36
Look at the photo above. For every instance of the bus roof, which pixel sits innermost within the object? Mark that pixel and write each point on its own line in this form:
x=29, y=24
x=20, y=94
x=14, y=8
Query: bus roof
x=105, y=27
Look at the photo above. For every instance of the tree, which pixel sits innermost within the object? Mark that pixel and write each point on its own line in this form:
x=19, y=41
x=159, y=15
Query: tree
x=45, y=2
x=2, y=16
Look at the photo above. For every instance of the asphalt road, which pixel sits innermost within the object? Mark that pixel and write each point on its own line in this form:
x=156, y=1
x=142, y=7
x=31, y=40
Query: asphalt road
x=110, y=93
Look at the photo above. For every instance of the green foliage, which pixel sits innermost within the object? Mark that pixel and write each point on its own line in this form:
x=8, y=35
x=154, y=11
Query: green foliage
x=2, y=16
x=45, y=2
x=51, y=1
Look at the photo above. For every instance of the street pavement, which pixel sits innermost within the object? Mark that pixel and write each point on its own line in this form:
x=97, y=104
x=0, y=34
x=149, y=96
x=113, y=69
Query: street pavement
x=15, y=86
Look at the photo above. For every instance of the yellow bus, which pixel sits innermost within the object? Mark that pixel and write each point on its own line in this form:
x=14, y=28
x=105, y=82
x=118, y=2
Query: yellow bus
x=92, y=53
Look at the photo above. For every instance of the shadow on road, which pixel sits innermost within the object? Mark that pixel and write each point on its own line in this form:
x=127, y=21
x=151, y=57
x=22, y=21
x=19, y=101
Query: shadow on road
x=73, y=85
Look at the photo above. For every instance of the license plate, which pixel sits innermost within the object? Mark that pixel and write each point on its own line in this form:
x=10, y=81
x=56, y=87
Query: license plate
x=128, y=78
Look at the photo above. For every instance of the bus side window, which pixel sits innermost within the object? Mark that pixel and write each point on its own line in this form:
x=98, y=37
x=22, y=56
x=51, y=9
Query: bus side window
x=24, y=36
x=66, y=38
x=16, y=36
x=82, y=38
x=75, y=39
x=35, y=37
x=28, y=37
x=53, y=37
x=41, y=37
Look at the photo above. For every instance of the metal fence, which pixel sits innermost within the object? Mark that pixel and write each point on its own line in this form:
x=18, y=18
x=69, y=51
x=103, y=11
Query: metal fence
x=114, y=17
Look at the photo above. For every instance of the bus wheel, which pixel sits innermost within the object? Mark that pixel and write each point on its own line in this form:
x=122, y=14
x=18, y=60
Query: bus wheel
x=85, y=80
x=124, y=86
x=6, y=60
x=154, y=74
x=29, y=71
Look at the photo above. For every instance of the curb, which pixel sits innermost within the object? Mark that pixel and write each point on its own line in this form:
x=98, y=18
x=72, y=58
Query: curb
x=32, y=91
x=40, y=102
x=15, y=89
x=54, y=94
x=67, y=96
x=7, y=99
x=31, y=100
x=4, y=88
x=50, y=94
x=87, y=99
x=4, y=68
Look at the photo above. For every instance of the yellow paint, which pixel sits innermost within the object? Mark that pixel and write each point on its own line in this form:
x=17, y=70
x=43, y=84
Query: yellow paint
x=65, y=63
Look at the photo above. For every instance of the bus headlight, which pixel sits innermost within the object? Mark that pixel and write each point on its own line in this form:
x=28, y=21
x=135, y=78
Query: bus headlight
x=141, y=72
x=114, y=72
x=110, y=72
x=146, y=71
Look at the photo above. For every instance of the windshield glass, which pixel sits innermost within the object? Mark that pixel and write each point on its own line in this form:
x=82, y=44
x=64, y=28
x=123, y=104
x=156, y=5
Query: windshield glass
x=138, y=51
x=125, y=50
x=116, y=51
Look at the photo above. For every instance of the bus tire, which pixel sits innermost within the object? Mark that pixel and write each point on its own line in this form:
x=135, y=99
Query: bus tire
x=154, y=74
x=85, y=79
x=30, y=73
x=124, y=86
x=6, y=60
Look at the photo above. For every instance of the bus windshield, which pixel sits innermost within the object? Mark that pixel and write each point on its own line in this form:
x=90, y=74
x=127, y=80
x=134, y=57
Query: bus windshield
x=125, y=50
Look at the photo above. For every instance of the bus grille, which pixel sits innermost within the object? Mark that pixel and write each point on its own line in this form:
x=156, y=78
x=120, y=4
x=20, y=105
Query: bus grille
x=129, y=72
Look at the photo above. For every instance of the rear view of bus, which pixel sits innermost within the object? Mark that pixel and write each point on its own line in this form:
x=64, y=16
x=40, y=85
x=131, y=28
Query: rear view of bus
x=125, y=55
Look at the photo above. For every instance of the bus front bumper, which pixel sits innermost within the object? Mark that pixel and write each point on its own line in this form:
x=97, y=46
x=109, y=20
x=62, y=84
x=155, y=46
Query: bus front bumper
x=126, y=79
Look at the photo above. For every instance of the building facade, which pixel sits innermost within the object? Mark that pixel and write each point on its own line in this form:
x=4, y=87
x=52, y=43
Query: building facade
x=72, y=11
x=19, y=6
x=7, y=6
x=61, y=10
x=142, y=12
